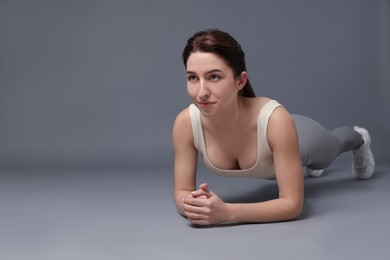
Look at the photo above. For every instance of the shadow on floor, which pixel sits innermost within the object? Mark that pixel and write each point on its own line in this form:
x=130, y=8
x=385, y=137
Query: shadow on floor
x=333, y=182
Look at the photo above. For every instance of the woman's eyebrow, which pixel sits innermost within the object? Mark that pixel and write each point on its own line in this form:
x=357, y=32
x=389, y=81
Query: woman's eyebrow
x=212, y=71
x=207, y=72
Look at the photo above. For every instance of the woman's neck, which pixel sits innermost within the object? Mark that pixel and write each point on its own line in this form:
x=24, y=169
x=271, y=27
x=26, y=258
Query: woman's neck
x=230, y=118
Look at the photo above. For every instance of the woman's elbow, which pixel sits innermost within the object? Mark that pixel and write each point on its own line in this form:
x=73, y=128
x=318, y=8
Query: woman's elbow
x=295, y=210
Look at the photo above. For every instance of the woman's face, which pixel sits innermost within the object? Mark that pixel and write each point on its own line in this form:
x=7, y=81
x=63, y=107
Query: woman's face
x=211, y=83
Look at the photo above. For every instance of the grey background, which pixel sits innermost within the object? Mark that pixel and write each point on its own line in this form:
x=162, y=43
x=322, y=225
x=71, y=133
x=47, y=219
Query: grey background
x=88, y=94
x=100, y=82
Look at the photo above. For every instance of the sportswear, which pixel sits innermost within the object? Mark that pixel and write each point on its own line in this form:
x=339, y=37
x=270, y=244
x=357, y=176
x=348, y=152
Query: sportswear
x=264, y=166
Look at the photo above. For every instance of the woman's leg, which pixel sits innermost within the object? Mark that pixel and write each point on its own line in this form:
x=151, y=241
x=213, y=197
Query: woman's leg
x=320, y=147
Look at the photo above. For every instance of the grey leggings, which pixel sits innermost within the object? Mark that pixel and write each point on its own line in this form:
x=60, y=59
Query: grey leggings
x=320, y=147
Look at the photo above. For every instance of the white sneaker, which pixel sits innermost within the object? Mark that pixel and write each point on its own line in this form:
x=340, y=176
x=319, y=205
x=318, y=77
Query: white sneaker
x=312, y=173
x=363, y=164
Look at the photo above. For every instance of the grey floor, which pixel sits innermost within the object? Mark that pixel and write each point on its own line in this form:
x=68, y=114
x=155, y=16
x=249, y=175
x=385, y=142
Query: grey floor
x=128, y=213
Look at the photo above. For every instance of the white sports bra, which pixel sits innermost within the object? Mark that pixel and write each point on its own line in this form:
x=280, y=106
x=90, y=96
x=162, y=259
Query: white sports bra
x=264, y=166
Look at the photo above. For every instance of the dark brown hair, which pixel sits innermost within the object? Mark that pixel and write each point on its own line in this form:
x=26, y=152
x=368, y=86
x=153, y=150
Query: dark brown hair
x=225, y=46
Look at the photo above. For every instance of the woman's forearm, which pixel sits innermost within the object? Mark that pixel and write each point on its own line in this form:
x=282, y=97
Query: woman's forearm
x=269, y=211
x=179, y=196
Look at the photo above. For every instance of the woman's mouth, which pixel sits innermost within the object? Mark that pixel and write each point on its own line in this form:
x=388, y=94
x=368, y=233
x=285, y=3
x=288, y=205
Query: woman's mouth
x=205, y=105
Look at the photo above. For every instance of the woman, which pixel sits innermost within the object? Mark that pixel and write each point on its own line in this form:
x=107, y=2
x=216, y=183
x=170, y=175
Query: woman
x=239, y=134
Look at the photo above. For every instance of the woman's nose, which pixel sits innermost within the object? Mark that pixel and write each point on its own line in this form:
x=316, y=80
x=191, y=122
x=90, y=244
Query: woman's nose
x=203, y=92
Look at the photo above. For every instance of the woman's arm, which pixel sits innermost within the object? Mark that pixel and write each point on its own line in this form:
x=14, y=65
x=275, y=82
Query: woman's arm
x=185, y=161
x=283, y=141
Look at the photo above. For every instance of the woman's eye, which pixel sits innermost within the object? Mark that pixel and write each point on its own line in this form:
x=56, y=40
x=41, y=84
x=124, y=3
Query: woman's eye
x=214, y=77
x=191, y=78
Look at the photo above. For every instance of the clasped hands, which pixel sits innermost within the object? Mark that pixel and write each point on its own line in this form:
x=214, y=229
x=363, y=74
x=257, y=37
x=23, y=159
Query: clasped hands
x=204, y=207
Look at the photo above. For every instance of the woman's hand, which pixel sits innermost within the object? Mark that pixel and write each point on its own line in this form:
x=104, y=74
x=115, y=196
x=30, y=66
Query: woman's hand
x=203, y=207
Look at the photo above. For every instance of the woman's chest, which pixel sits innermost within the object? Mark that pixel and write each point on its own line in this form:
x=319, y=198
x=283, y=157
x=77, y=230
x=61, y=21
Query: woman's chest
x=233, y=151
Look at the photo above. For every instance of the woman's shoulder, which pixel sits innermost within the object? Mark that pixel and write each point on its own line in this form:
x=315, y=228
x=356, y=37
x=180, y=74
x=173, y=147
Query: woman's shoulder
x=182, y=128
x=183, y=118
x=256, y=104
x=276, y=110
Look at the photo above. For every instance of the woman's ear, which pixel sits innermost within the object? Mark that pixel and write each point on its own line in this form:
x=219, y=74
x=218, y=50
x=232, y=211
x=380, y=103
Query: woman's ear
x=241, y=80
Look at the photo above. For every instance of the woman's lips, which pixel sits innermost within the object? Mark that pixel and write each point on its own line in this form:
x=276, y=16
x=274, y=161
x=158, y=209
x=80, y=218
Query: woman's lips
x=205, y=104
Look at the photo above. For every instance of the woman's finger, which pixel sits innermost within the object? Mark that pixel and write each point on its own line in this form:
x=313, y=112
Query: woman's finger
x=204, y=186
x=198, y=202
x=200, y=192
